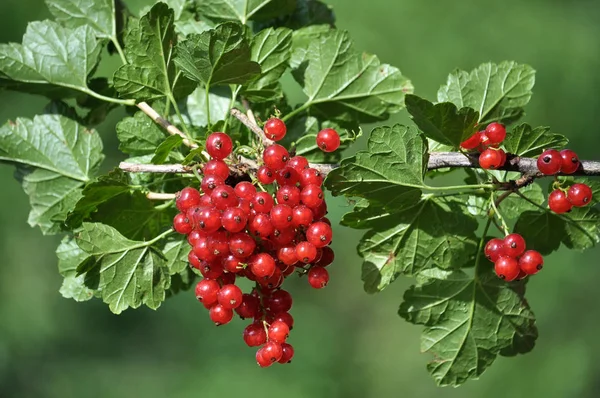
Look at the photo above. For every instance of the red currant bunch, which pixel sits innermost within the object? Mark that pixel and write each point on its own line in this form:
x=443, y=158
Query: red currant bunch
x=552, y=162
x=511, y=259
x=264, y=235
x=488, y=143
x=563, y=200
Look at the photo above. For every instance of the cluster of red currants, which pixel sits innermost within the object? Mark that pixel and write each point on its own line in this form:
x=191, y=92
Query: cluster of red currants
x=562, y=200
x=488, y=143
x=511, y=260
x=241, y=232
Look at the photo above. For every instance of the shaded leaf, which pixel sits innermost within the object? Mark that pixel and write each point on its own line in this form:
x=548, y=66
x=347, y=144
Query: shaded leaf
x=97, y=14
x=164, y=149
x=513, y=206
x=139, y=135
x=244, y=10
x=523, y=140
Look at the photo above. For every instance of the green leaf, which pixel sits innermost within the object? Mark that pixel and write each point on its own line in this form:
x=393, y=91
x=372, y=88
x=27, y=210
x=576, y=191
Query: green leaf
x=219, y=56
x=55, y=156
x=128, y=273
x=544, y=231
x=468, y=322
x=164, y=149
x=53, y=60
x=219, y=101
x=342, y=83
x=70, y=256
x=310, y=12
x=442, y=122
x=434, y=232
x=513, y=206
x=149, y=44
x=245, y=10
x=523, y=140
x=139, y=135
x=271, y=50
x=389, y=171
x=98, y=15
x=497, y=92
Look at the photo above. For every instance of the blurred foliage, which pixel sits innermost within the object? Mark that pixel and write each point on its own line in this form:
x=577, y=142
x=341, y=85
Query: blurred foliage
x=348, y=344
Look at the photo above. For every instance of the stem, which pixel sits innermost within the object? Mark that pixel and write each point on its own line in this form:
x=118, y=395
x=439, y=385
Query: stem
x=207, y=96
x=160, y=196
x=234, y=93
x=481, y=244
x=178, y=112
x=159, y=237
x=155, y=168
x=164, y=123
x=117, y=45
x=94, y=94
x=296, y=111
x=455, y=187
x=497, y=213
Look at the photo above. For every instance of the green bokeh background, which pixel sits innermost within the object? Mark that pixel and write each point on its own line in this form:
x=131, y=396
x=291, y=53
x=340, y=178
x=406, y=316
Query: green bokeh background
x=348, y=343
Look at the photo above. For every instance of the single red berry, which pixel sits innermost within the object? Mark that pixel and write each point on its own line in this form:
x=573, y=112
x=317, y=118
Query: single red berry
x=472, y=142
x=203, y=251
x=230, y=296
x=262, y=202
x=211, y=270
x=302, y=216
x=287, y=176
x=220, y=315
x=278, y=332
x=245, y=205
x=194, y=236
x=328, y=140
x=275, y=157
x=569, y=161
x=492, y=159
x=318, y=277
x=288, y=194
x=273, y=281
x=311, y=176
x=261, y=226
x=281, y=216
x=287, y=255
x=186, y=198
x=245, y=190
x=241, y=245
x=207, y=290
x=194, y=261
x=216, y=168
x=558, y=202
x=234, y=219
x=320, y=211
x=275, y=129
x=531, y=262
x=311, y=196
x=549, y=162
x=579, y=195
x=219, y=145
x=327, y=257
x=210, y=182
x=231, y=263
x=494, y=249
x=495, y=132
x=182, y=224
x=306, y=252
x=514, y=245
x=265, y=175
x=299, y=163
x=288, y=353
x=207, y=220
x=319, y=234
x=226, y=278
x=218, y=243
x=507, y=268
x=280, y=301
x=206, y=201
x=283, y=237
x=285, y=317
x=272, y=351
x=255, y=335
x=262, y=265
x=249, y=307
x=223, y=197
x=261, y=359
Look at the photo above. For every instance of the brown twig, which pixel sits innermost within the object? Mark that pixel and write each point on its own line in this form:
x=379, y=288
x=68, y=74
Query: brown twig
x=164, y=123
x=239, y=115
x=160, y=196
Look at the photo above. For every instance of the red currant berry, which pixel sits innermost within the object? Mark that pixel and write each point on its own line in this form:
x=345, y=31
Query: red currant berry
x=302, y=216
x=514, y=245
x=219, y=145
x=319, y=234
x=327, y=257
x=549, y=162
x=249, y=307
x=245, y=190
x=472, y=142
x=216, y=168
x=494, y=249
x=220, y=315
x=226, y=278
x=275, y=129
x=311, y=176
x=280, y=301
x=569, y=161
x=223, y=197
x=507, y=268
x=558, y=202
x=245, y=205
x=285, y=317
x=234, y=219
x=265, y=175
x=320, y=211
x=272, y=282
x=262, y=265
x=272, y=351
x=492, y=159
x=278, y=332
x=203, y=251
x=261, y=226
x=580, y=195
x=255, y=335
x=288, y=353
x=182, y=224
x=318, y=277
x=194, y=261
x=230, y=296
x=231, y=264
x=211, y=270
x=210, y=182
x=299, y=163
x=288, y=194
x=262, y=360
x=218, y=243
x=207, y=220
x=328, y=140
x=241, y=245
x=287, y=176
x=262, y=202
x=207, y=290
x=312, y=196
x=283, y=237
x=287, y=255
x=281, y=216
x=275, y=157
x=495, y=132
x=186, y=198
x=306, y=252
x=531, y=262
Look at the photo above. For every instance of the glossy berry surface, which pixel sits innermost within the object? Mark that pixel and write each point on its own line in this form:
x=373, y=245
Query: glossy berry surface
x=275, y=157
x=328, y=140
x=579, y=195
x=217, y=168
x=531, y=262
x=207, y=290
x=255, y=335
x=278, y=332
x=492, y=159
x=514, y=245
x=230, y=296
x=495, y=133
x=318, y=277
x=549, y=162
x=319, y=234
x=182, y=224
x=186, y=198
x=219, y=145
x=558, y=202
x=275, y=129
x=494, y=249
x=220, y=315
x=262, y=265
x=265, y=175
x=569, y=161
x=306, y=252
x=472, y=142
x=507, y=268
